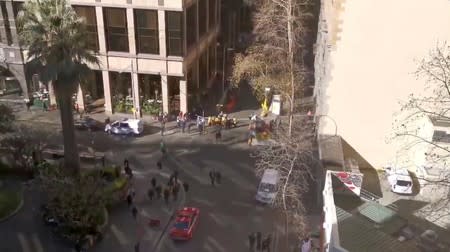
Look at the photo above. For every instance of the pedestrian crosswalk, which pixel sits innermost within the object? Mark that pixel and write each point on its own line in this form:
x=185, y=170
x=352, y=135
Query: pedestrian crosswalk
x=30, y=242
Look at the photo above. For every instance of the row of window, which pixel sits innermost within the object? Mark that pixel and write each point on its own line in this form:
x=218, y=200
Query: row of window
x=146, y=27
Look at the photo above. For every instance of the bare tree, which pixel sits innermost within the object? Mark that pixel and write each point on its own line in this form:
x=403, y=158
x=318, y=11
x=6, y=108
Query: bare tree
x=291, y=154
x=275, y=59
x=413, y=135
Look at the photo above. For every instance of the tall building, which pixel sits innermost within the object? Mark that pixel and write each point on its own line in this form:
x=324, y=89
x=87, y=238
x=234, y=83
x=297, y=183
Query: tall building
x=163, y=50
x=366, y=54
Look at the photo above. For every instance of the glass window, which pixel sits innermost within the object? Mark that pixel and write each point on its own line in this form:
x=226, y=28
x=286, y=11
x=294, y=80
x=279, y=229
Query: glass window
x=191, y=26
x=182, y=225
x=212, y=14
x=6, y=23
x=121, y=93
x=174, y=33
x=116, y=29
x=147, y=36
x=202, y=17
x=88, y=13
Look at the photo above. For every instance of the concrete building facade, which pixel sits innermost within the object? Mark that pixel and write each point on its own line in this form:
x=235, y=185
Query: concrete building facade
x=148, y=50
x=366, y=54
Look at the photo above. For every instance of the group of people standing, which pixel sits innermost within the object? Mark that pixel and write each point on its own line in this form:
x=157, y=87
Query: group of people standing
x=256, y=241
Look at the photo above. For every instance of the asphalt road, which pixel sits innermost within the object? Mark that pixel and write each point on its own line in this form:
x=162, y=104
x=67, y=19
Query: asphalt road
x=228, y=211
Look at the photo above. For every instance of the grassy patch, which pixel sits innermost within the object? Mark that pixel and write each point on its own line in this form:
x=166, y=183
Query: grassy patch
x=8, y=202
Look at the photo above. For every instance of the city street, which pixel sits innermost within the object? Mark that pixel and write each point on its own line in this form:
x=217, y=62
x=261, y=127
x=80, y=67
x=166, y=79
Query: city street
x=228, y=211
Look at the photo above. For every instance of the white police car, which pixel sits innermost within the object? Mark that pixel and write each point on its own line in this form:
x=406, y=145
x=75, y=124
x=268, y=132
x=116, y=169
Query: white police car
x=125, y=127
x=400, y=181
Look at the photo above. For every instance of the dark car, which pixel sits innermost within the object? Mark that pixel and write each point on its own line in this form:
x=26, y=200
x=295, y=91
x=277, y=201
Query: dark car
x=87, y=123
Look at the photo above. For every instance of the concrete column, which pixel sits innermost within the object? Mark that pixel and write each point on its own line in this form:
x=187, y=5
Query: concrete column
x=131, y=37
x=165, y=93
x=162, y=33
x=12, y=23
x=135, y=84
x=107, y=91
x=100, y=30
x=51, y=93
x=2, y=28
x=80, y=98
x=183, y=96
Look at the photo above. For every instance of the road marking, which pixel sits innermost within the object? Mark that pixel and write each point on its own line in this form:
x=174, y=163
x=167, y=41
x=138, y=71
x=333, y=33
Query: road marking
x=187, y=168
x=120, y=236
x=37, y=243
x=208, y=248
x=218, y=219
x=216, y=244
x=23, y=242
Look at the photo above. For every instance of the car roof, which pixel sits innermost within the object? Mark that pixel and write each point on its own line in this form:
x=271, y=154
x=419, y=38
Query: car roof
x=403, y=178
x=270, y=176
x=183, y=219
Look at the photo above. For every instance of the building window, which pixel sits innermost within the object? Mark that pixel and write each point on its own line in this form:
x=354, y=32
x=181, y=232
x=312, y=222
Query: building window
x=121, y=92
x=116, y=29
x=174, y=33
x=202, y=16
x=90, y=18
x=191, y=26
x=6, y=23
x=212, y=14
x=147, y=36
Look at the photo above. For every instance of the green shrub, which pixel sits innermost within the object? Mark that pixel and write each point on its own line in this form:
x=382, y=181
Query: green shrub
x=9, y=201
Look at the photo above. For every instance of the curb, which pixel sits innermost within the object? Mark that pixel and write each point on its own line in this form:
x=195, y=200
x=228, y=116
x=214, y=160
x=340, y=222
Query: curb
x=19, y=207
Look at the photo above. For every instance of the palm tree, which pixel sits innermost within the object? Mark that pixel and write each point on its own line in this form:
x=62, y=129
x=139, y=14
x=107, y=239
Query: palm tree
x=57, y=48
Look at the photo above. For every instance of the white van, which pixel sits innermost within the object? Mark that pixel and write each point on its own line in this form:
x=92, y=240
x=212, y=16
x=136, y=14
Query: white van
x=268, y=187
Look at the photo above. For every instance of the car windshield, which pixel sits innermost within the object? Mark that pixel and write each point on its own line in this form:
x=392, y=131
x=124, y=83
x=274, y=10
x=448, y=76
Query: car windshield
x=267, y=187
x=124, y=125
x=403, y=183
x=182, y=225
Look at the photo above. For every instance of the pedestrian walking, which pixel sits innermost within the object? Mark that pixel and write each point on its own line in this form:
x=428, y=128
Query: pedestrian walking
x=134, y=212
x=159, y=164
x=186, y=187
x=175, y=190
x=129, y=200
x=158, y=190
x=251, y=241
x=218, y=135
x=175, y=176
x=136, y=247
x=153, y=181
x=212, y=177
x=218, y=177
x=267, y=242
x=170, y=182
x=183, y=125
x=162, y=146
x=166, y=195
x=163, y=127
x=258, y=240
x=150, y=194
x=44, y=107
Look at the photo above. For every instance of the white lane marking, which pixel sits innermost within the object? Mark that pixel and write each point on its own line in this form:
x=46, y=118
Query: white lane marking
x=37, y=243
x=230, y=174
x=120, y=236
x=216, y=244
x=23, y=242
x=187, y=168
x=208, y=248
x=218, y=219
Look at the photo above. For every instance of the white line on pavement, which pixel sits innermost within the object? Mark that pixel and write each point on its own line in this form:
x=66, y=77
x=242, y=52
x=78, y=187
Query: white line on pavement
x=203, y=201
x=119, y=235
x=217, y=219
x=37, y=243
x=207, y=247
x=23, y=242
x=216, y=244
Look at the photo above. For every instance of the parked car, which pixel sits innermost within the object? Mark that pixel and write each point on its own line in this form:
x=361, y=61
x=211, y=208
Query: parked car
x=186, y=222
x=87, y=123
x=125, y=127
x=400, y=181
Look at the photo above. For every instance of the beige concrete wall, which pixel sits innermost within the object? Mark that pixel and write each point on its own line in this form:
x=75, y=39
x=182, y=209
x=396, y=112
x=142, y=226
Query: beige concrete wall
x=371, y=68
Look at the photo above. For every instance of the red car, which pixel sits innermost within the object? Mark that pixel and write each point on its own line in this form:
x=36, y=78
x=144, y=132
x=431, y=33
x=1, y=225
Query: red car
x=185, y=223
